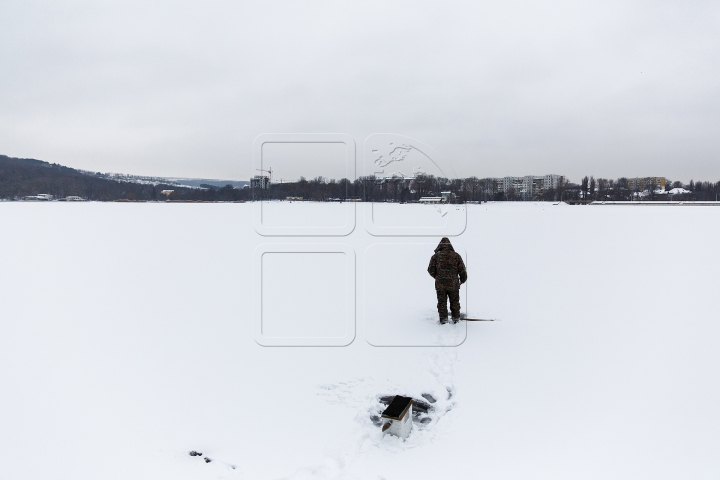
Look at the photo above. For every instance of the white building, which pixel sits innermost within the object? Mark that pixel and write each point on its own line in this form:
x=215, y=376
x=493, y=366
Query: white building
x=431, y=200
x=444, y=197
x=260, y=182
x=43, y=197
x=525, y=187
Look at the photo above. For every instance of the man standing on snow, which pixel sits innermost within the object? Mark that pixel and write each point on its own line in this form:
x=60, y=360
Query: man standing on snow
x=448, y=270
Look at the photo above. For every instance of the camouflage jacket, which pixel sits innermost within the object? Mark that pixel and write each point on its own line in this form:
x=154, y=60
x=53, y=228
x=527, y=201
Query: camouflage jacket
x=447, y=267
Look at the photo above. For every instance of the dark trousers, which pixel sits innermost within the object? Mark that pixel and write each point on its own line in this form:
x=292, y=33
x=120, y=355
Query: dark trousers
x=442, y=298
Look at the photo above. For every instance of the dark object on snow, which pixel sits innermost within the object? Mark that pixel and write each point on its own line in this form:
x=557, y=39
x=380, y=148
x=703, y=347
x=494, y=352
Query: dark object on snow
x=207, y=460
x=420, y=411
x=447, y=266
x=195, y=454
x=448, y=270
x=428, y=397
x=419, y=406
x=399, y=414
x=478, y=319
x=397, y=408
x=442, y=300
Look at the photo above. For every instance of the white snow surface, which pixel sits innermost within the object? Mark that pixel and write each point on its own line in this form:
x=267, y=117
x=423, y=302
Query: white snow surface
x=127, y=342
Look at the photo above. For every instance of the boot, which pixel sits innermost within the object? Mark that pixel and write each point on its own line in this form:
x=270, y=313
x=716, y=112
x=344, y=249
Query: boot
x=443, y=320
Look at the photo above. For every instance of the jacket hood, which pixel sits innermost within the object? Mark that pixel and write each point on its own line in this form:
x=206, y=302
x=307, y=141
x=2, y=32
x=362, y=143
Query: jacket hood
x=444, y=245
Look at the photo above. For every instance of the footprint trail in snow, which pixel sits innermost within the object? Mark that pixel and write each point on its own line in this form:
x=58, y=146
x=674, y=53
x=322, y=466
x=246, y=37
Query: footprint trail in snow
x=346, y=458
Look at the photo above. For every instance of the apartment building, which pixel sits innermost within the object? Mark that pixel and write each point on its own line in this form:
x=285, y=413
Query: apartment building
x=260, y=182
x=642, y=184
x=528, y=186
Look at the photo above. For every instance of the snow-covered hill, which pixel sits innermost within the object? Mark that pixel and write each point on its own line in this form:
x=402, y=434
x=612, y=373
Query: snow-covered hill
x=128, y=340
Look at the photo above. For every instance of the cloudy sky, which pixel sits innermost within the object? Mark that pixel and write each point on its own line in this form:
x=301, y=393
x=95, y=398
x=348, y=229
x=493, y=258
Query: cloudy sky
x=611, y=88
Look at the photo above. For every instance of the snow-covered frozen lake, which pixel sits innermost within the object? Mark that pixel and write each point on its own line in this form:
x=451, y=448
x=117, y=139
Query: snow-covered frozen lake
x=130, y=337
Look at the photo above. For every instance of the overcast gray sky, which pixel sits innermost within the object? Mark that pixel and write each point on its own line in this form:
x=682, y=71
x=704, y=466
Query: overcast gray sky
x=611, y=88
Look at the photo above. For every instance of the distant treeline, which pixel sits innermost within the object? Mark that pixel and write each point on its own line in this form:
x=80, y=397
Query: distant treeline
x=20, y=178
x=646, y=189
x=473, y=189
x=367, y=189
